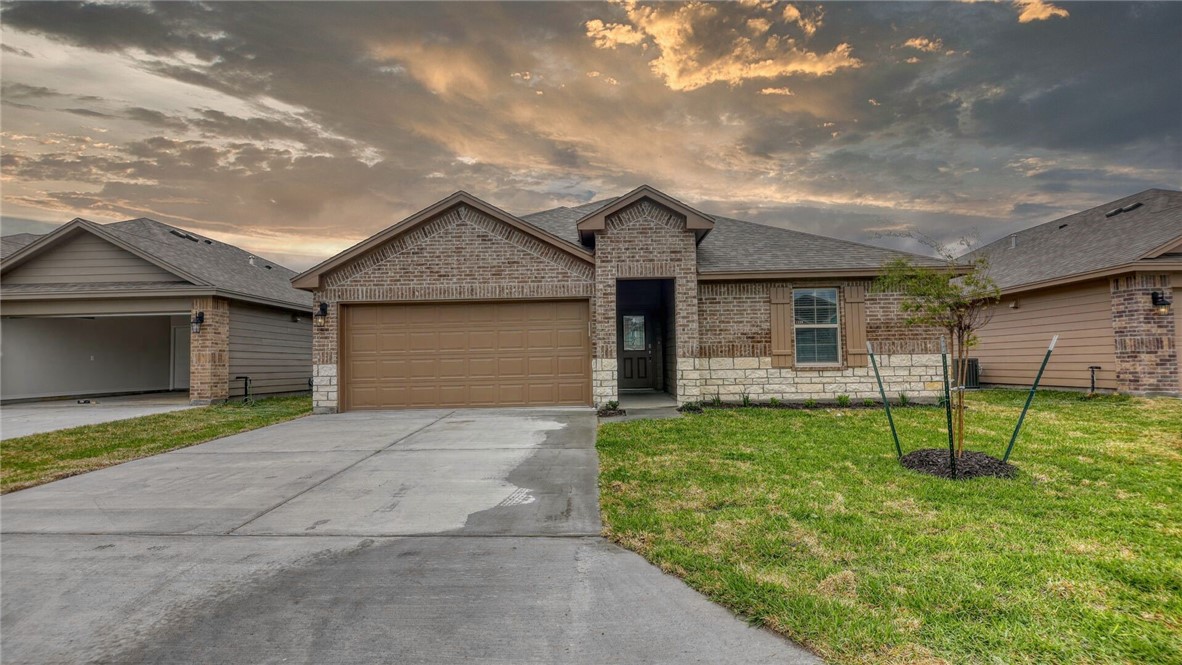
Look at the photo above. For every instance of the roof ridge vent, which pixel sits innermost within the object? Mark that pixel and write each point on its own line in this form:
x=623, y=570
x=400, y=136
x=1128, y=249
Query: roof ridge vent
x=1013, y=240
x=1131, y=207
x=1114, y=212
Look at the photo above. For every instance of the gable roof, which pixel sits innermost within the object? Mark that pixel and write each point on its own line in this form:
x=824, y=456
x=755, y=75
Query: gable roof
x=1091, y=243
x=738, y=248
x=596, y=220
x=310, y=279
x=200, y=261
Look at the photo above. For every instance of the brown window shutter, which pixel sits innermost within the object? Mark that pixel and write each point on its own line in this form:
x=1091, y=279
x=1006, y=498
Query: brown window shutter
x=782, y=342
x=854, y=322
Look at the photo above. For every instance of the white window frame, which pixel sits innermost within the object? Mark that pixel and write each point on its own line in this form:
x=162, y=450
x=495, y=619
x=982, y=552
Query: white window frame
x=809, y=326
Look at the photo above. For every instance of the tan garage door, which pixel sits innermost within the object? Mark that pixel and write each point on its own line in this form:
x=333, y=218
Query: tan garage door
x=466, y=354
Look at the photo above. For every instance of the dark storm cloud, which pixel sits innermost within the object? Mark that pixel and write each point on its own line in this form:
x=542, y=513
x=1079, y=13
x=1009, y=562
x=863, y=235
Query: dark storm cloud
x=330, y=121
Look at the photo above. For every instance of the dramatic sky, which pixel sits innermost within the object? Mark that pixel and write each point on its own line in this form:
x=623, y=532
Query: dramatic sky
x=295, y=130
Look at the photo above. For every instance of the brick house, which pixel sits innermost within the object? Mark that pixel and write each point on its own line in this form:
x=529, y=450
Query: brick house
x=139, y=307
x=464, y=304
x=1100, y=279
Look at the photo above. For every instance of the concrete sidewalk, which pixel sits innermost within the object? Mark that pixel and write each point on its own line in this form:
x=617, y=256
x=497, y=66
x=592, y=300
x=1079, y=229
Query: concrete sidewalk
x=411, y=537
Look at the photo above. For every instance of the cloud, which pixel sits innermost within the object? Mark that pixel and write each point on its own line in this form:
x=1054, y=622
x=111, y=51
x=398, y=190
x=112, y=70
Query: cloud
x=924, y=44
x=697, y=44
x=777, y=91
x=809, y=23
x=1038, y=10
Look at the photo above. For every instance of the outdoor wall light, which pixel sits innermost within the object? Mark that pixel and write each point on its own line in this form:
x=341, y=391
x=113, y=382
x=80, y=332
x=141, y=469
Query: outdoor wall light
x=1161, y=303
x=321, y=315
x=198, y=319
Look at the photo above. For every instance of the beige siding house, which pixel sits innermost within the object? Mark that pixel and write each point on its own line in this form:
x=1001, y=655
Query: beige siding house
x=1091, y=278
x=94, y=309
x=464, y=304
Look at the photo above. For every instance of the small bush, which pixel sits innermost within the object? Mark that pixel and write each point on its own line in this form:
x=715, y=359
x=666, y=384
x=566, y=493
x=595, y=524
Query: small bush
x=717, y=399
x=612, y=405
x=810, y=403
x=690, y=407
x=868, y=402
x=775, y=401
x=746, y=398
x=904, y=400
x=843, y=401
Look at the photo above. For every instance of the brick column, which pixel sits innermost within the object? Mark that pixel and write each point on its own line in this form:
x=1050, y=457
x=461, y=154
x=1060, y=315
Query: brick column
x=209, y=352
x=325, y=352
x=1146, y=342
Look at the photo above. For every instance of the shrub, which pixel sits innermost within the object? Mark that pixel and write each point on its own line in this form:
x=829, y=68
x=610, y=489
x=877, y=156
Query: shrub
x=775, y=401
x=904, y=400
x=717, y=399
x=690, y=407
x=843, y=401
x=612, y=405
x=810, y=403
x=746, y=398
x=868, y=402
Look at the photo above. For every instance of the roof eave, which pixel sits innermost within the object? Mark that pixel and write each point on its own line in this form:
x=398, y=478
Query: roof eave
x=1135, y=266
x=731, y=275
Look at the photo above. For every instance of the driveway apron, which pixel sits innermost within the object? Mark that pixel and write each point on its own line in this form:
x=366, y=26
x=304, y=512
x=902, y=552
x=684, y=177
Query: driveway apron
x=398, y=537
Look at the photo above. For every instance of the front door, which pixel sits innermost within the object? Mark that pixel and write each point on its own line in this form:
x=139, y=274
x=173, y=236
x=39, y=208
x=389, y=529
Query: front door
x=636, y=352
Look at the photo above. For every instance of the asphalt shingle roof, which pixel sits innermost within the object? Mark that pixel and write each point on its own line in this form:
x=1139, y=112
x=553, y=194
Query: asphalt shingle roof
x=1086, y=241
x=735, y=245
x=222, y=266
x=11, y=243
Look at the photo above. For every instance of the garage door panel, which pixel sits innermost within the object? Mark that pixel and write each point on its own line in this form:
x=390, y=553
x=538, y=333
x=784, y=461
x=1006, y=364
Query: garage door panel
x=466, y=354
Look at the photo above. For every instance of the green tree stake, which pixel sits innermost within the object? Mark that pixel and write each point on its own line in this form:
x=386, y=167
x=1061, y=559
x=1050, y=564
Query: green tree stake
x=885, y=402
x=948, y=407
x=1030, y=398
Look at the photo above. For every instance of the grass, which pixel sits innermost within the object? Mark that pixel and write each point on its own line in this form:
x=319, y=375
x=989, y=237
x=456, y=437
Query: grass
x=803, y=521
x=40, y=458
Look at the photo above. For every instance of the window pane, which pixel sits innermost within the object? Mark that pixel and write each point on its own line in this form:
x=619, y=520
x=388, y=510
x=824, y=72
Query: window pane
x=816, y=345
x=815, y=306
x=634, y=333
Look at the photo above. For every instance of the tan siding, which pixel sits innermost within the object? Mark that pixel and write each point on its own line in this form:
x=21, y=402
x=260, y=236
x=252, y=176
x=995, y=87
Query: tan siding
x=270, y=348
x=87, y=259
x=1015, y=341
x=97, y=307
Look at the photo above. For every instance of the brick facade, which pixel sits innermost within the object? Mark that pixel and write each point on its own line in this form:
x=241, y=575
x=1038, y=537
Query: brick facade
x=644, y=241
x=209, y=352
x=721, y=331
x=463, y=254
x=1147, y=354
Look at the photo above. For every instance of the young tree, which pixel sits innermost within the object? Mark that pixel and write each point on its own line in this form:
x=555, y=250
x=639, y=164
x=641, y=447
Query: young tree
x=956, y=298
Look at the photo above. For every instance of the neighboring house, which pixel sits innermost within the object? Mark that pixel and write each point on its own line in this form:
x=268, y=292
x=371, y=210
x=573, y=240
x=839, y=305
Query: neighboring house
x=1091, y=278
x=463, y=304
x=101, y=309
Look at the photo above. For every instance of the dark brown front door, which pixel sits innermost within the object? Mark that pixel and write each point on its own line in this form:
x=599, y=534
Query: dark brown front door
x=637, y=366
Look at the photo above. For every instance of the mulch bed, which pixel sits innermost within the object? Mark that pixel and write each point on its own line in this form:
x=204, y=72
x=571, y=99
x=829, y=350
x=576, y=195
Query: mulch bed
x=611, y=413
x=934, y=461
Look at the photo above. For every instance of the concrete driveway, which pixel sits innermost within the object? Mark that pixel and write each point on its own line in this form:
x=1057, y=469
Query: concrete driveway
x=409, y=537
x=24, y=418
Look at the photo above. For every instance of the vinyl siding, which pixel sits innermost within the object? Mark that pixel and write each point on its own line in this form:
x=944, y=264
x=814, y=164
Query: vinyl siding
x=87, y=259
x=1013, y=344
x=267, y=346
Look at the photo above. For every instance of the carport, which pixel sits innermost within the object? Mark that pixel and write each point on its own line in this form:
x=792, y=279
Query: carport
x=80, y=348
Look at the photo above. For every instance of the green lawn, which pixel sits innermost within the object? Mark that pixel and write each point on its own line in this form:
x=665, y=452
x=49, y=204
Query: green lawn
x=804, y=522
x=41, y=458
